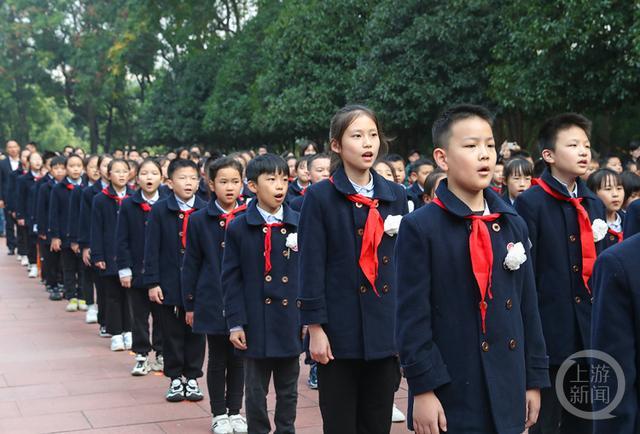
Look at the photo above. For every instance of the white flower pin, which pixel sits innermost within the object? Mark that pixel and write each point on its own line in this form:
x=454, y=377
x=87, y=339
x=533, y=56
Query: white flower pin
x=392, y=224
x=516, y=256
x=292, y=241
x=599, y=228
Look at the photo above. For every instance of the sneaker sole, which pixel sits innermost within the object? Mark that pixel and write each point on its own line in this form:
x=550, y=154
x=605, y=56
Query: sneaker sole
x=175, y=398
x=194, y=398
x=139, y=373
x=116, y=349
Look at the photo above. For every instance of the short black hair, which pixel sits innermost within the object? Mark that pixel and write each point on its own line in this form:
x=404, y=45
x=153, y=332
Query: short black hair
x=604, y=160
x=630, y=183
x=267, y=163
x=303, y=159
x=315, y=157
x=416, y=165
x=48, y=155
x=519, y=154
x=601, y=177
x=634, y=144
x=393, y=158
x=116, y=161
x=75, y=156
x=552, y=126
x=413, y=151
x=432, y=179
x=58, y=160
x=181, y=163
x=441, y=130
x=214, y=166
x=518, y=167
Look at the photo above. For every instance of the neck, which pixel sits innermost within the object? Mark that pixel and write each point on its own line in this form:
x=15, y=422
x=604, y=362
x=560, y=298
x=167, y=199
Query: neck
x=118, y=189
x=269, y=209
x=303, y=184
x=227, y=207
x=473, y=199
x=611, y=216
x=568, y=179
x=184, y=199
x=148, y=194
x=359, y=176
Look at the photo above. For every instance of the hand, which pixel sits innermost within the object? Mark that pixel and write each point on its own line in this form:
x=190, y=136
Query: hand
x=56, y=244
x=20, y=222
x=75, y=247
x=319, y=346
x=42, y=237
x=13, y=214
x=155, y=294
x=533, y=407
x=101, y=265
x=188, y=318
x=1, y=204
x=303, y=332
x=86, y=256
x=428, y=414
x=238, y=339
x=125, y=282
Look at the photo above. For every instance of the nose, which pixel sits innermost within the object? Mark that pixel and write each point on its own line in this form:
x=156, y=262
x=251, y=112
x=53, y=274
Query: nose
x=483, y=153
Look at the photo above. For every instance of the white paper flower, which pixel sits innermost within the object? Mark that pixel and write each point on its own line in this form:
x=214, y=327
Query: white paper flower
x=292, y=241
x=516, y=256
x=392, y=224
x=599, y=228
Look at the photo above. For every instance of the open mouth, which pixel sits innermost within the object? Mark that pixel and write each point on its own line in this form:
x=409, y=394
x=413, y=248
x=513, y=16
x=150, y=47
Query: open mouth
x=367, y=155
x=279, y=196
x=484, y=171
x=582, y=163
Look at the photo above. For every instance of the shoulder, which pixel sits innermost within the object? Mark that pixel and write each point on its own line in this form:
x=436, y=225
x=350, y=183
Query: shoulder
x=199, y=216
x=238, y=226
x=425, y=218
x=625, y=253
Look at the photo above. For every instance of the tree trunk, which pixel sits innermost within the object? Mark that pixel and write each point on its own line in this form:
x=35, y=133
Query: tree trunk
x=108, y=131
x=94, y=131
x=22, y=126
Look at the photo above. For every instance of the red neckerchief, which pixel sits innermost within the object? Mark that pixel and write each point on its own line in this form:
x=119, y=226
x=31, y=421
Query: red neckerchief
x=70, y=186
x=303, y=191
x=267, y=245
x=481, y=256
x=229, y=216
x=185, y=224
x=145, y=206
x=115, y=197
x=620, y=234
x=371, y=238
x=586, y=232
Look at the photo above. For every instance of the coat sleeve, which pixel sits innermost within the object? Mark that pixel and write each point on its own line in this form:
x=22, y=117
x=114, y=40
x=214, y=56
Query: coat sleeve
x=153, y=240
x=529, y=216
x=191, y=266
x=632, y=220
x=84, y=220
x=74, y=214
x=232, y=282
x=312, y=260
x=21, y=197
x=54, y=215
x=123, y=250
x=420, y=356
x=97, y=233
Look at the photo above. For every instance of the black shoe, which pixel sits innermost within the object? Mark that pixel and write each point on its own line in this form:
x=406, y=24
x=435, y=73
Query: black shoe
x=55, y=295
x=176, y=391
x=192, y=391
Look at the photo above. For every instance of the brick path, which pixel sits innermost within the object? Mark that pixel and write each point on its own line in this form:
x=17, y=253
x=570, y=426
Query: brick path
x=57, y=375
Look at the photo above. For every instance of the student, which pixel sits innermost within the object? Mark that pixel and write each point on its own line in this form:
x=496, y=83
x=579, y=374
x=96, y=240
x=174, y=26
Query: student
x=104, y=216
x=259, y=286
x=299, y=185
x=132, y=222
x=26, y=188
x=612, y=162
x=52, y=267
x=385, y=169
x=431, y=184
x=58, y=232
x=468, y=328
x=593, y=166
x=12, y=203
x=94, y=313
x=517, y=179
x=614, y=330
x=165, y=241
x=607, y=185
x=202, y=293
x=319, y=166
x=631, y=184
x=560, y=211
x=350, y=312
x=397, y=162
x=292, y=162
x=497, y=183
x=7, y=166
x=417, y=175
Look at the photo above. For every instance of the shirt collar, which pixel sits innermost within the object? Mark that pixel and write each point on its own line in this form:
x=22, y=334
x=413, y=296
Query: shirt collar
x=364, y=190
x=573, y=193
x=71, y=181
x=104, y=184
x=271, y=218
x=617, y=224
x=35, y=174
x=222, y=210
x=14, y=163
x=153, y=199
x=186, y=206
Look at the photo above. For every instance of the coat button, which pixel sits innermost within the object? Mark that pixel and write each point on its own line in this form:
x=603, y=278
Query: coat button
x=512, y=344
x=222, y=244
x=577, y=299
x=483, y=305
x=572, y=238
x=485, y=346
x=190, y=297
x=285, y=253
x=267, y=278
x=360, y=231
x=611, y=237
x=267, y=300
x=363, y=289
x=385, y=260
x=264, y=229
x=285, y=279
x=575, y=268
x=299, y=304
x=285, y=302
x=385, y=288
x=181, y=215
x=283, y=231
x=358, y=205
x=180, y=234
x=221, y=223
x=182, y=251
x=509, y=303
x=495, y=227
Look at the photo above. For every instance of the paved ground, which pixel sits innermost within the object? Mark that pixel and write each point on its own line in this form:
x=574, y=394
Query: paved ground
x=57, y=375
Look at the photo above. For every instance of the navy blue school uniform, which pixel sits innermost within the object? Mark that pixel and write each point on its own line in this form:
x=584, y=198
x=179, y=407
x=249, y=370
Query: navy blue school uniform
x=358, y=323
x=203, y=190
x=202, y=269
x=480, y=378
x=246, y=193
x=59, y=211
x=414, y=194
x=75, y=205
x=615, y=330
x=42, y=214
x=507, y=199
x=612, y=238
x=23, y=184
x=84, y=218
x=632, y=220
x=263, y=304
x=296, y=203
x=11, y=202
x=165, y=190
x=565, y=303
x=294, y=191
x=34, y=193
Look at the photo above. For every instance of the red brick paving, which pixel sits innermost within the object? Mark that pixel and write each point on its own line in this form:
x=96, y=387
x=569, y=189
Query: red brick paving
x=57, y=375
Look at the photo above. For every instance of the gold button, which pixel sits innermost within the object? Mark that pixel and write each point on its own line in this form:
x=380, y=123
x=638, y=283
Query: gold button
x=572, y=238
x=267, y=300
x=495, y=227
x=285, y=253
x=509, y=303
x=577, y=299
x=222, y=223
x=483, y=305
x=385, y=288
x=190, y=297
x=358, y=205
x=180, y=233
x=267, y=278
x=285, y=302
x=611, y=237
x=285, y=279
x=512, y=344
x=363, y=289
x=182, y=251
x=181, y=215
x=385, y=260
x=264, y=229
x=283, y=231
x=360, y=231
x=485, y=346
x=222, y=244
x=299, y=304
x=575, y=268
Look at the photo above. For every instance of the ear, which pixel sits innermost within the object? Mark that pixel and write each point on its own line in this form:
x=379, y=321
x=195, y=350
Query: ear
x=335, y=146
x=170, y=183
x=413, y=176
x=253, y=186
x=548, y=156
x=440, y=157
x=211, y=185
x=426, y=199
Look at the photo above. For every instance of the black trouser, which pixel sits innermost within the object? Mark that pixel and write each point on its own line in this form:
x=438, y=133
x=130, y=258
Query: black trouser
x=89, y=276
x=141, y=307
x=10, y=230
x=71, y=273
x=257, y=374
x=23, y=240
x=101, y=296
x=555, y=419
x=32, y=248
x=356, y=396
x=51, y=266
x=118, y=312
x=225, y=370
x=182, y=349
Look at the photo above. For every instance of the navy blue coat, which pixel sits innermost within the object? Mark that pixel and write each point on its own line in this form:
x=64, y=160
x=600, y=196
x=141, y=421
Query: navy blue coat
x=11, y=200
x=294, y=191
x=296, y=203
x=611, y=239
x=32, y=207
x=163, y=251
x=615, y=329
x=202, y=270
x=75, y=205
x=42, y=214
x=632, y=220
x=104, y=219
x=84, y=218
x=59, y=212
x=334, y=291
x=262, y=304
x=23, y=184
x=414, y=194
x=480, y=379
x=204, y=193
x=131, y=228
x=5, y=173
x=565, y=303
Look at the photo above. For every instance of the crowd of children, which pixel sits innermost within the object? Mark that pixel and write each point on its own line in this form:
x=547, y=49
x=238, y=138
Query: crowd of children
x=476, y=298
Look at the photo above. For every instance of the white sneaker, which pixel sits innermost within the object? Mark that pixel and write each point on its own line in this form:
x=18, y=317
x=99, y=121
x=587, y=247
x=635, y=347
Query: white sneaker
x=33, y=271
x=158, y=364
x=24, y=261
x=142, y=366
x=117, y=343
x=92, y=315
x=397, y=415
x=128, y=340
x=221, y=425
x=72, y=306
x=18, y=258
x=238, y=423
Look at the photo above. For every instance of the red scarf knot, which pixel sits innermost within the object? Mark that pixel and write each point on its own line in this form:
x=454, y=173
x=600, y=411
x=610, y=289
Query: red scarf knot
x=587, y=244
x=70, y=186
x=481, y=253
x=115, y=197
x=185, y=224
x=229, y=216
x=145, y=206
x=619, y=235
x=267, y=244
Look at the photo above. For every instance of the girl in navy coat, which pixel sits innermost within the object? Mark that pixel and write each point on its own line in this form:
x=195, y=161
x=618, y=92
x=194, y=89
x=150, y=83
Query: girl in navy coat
x=517, y=179
x=58, y=232
x=202, y=292
x=132, y=223
x=26, y=189
x=607, y=185
x=299, y=185
x=347, y=286
x=104, y=216
x=12, y=201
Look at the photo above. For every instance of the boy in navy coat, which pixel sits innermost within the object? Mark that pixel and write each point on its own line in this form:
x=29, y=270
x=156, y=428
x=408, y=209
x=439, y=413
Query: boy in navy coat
x=560, y=211
x=318, y=166
x=468, y=327
x=165, y=243
x=418, y=173
x=259, y=284
x=7, y=166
